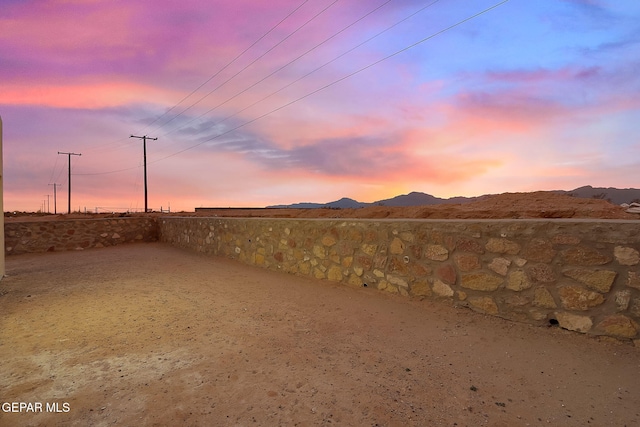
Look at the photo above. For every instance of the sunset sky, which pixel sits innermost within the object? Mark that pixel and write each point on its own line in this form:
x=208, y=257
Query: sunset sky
x=257, y=103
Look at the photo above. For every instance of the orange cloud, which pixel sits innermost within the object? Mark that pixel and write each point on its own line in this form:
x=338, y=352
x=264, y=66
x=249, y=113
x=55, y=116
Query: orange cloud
x=90, y=95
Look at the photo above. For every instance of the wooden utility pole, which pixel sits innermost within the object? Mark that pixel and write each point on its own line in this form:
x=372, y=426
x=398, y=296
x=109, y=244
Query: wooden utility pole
x=144, y=148
x=70, y=154
x=55, y=199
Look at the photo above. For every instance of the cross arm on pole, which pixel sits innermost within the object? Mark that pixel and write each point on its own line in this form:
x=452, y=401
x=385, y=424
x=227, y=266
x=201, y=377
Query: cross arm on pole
x=70, y=154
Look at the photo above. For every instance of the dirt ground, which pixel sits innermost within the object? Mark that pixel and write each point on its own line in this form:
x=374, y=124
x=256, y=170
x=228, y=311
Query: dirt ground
x=151, y=335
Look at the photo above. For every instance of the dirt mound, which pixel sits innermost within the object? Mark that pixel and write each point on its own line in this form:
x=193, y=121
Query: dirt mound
x=539, y=204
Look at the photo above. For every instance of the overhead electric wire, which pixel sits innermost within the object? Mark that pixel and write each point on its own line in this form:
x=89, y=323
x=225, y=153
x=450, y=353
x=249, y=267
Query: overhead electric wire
x=337, y=81
x=257, y=59
x=62, y=169
x=227, y=65
x=319, y=89
x=312, y=71
x=125, y=141
x=53, y=172
x=252, y=62
x=285, y=66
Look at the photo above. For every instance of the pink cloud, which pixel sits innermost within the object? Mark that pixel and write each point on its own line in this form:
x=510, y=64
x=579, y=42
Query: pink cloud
x=76, y=38
x=507, y=111
x=88, y=95
x=59, y=30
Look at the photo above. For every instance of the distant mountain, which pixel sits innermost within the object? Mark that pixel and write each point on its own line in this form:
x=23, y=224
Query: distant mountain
x=344, y=203
x=412, y=199
x=420, y=199
x=616, y=196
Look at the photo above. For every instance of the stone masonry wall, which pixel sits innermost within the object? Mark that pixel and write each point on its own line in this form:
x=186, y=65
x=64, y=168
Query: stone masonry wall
x=61, y=235
x=582, y=275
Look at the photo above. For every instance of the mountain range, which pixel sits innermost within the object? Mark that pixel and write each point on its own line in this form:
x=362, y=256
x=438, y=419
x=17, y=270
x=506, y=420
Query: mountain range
x=616, y=196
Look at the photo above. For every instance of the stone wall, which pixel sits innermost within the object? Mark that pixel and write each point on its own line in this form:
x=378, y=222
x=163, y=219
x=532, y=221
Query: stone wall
x=65, y=235
x=582, y=275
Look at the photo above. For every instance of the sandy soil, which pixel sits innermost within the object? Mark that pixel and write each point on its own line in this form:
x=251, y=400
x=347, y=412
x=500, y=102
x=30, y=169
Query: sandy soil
x=150, y=335
x=540, y=204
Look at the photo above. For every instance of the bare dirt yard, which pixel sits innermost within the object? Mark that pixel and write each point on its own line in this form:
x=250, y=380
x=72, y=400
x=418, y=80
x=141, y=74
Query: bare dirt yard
x=150, y=335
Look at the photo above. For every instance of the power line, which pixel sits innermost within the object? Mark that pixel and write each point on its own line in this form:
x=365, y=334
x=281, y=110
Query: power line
x=236, y=74
x=53, y=172
x=328, y=62
x=338, y=80
x=135, y=187
x=54, y=169
x=225, y=67
x=323, y=87
x=251, y=63
x=283, y=67
x=122, y=141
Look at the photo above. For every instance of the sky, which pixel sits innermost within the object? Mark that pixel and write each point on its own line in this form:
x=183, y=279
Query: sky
x=258, y=103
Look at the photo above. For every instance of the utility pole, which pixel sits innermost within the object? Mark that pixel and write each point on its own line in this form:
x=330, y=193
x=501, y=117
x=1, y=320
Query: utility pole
x=55, y=200
x=144, y=147
x=70, y=154
x=48, y=210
